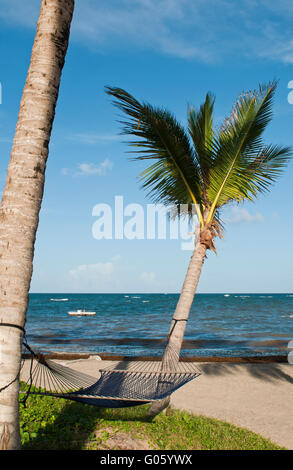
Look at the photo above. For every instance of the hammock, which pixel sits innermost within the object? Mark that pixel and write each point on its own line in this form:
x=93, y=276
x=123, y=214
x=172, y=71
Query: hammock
x=119, y=385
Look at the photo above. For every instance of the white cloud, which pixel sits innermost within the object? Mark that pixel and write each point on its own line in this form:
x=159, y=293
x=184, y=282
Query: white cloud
x=92, y=169
x=144, y=23
x=89, y=169
x=90, y=274
x=148, y=277
x=93, y=138
x=247, y=28
x=97, y=277
x=239, y=215
x=20, y=12
x=110, y=276
x=115, y=258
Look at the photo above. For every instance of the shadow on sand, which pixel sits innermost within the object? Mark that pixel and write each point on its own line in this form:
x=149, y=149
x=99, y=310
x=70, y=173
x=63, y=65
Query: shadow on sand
x=270, y=372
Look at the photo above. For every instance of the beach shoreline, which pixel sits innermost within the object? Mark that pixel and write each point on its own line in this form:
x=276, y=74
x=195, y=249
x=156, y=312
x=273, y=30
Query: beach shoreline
x=110, y=357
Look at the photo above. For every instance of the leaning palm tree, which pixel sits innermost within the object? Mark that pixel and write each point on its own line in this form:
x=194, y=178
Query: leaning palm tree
x=203, y=168
x=22, y=197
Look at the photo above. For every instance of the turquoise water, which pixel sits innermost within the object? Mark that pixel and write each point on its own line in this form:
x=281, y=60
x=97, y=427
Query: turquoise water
x=138, y=324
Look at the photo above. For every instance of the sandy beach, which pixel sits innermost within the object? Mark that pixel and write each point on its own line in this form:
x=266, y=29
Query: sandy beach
x=256, y=396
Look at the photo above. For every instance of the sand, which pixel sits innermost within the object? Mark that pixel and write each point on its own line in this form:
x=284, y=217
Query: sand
x=258, y=397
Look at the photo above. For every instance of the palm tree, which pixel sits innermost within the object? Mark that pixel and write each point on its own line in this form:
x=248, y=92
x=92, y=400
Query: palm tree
x=203, y=167
x=22, y=197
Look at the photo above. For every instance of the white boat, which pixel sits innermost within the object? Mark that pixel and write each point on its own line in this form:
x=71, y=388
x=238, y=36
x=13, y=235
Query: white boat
x=81, y=313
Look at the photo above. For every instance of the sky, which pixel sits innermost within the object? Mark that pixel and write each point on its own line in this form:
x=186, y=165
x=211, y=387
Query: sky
x=169, y=53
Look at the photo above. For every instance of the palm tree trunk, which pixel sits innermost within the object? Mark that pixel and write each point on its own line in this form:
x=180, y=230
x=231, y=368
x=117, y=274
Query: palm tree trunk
x=179, y=320
x=22, y=197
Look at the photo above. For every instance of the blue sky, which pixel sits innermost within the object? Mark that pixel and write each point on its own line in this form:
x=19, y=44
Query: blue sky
x=169, y=53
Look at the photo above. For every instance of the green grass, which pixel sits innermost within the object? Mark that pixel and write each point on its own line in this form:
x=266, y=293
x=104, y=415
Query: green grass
x=50, y=423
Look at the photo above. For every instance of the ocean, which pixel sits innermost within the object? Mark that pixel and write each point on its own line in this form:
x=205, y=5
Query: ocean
x=138, y=324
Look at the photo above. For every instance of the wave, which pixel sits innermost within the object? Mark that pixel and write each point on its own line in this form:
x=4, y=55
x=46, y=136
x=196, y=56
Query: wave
x=58, y=300
x=252, y=344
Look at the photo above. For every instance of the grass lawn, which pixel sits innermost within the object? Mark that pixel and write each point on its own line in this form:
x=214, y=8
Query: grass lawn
x=50, y=423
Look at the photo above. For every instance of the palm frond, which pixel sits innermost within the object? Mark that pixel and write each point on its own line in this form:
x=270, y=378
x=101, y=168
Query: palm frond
x=201, y=131
x=234, y=174
x=174, y=177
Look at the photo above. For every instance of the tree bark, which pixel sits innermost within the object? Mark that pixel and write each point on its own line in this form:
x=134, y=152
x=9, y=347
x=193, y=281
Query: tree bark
x=22, y=197
x=179, y=320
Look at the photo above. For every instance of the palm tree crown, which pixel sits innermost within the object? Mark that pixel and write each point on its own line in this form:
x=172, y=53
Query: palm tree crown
x=203, y=166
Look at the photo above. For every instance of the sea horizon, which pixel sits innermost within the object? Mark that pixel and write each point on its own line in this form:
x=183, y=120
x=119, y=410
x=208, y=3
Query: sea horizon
x=154, y=293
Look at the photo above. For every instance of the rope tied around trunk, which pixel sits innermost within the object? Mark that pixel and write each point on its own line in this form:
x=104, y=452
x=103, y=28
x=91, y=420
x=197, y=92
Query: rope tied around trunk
x=12, y=325
x=175, y=323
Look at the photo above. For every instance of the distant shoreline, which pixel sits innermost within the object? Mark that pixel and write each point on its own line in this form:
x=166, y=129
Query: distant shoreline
x=111, y=357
